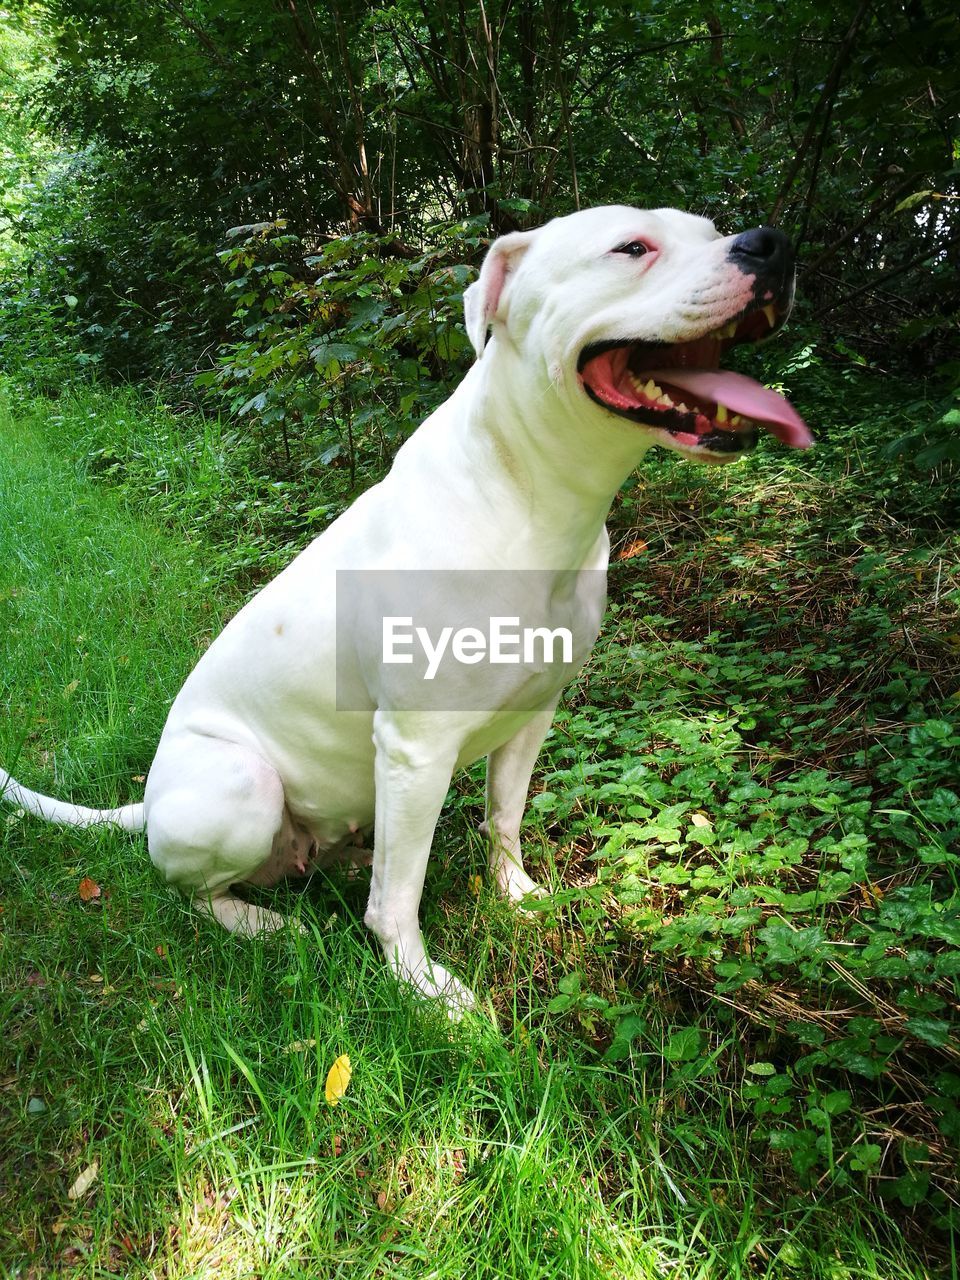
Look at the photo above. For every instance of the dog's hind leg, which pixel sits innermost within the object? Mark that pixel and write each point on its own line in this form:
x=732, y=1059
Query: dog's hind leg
x=508, y=780
x=214, y=809
x=238, y=916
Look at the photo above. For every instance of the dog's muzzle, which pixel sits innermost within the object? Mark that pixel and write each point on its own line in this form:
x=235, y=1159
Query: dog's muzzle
x=680, y=387
x=766, y=254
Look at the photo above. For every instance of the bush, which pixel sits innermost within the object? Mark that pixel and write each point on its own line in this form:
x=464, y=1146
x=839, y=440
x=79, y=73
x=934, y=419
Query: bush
x=345, y=349
x=96, y=285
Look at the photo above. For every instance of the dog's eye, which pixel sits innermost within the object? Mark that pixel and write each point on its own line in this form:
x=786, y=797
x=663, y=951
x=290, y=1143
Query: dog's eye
x=634, y=248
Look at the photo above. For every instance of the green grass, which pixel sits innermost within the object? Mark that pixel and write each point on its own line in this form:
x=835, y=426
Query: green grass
x=574, y=1131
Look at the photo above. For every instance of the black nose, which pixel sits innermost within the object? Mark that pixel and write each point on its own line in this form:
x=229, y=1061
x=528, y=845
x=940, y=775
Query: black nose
x=763, y=252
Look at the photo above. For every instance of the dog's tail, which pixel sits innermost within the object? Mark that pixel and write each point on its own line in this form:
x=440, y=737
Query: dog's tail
x=129, y=818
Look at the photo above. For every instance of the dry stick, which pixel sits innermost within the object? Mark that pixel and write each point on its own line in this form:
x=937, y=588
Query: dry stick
x=340, y=173
x=216, y=54
x=892, y=300
x=876, y=210
x=891, y=274
x=801, y=235
x=361, y=167
x=716, y=60
x=629, y=59
x=827, y=96
x=565, y=107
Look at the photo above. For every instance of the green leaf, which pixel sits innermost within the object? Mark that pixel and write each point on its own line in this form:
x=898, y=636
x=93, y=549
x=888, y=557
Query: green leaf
x=912, y=200
x=865, y=1157
x=684, y=1045
x=912, y=1187
x=627, y=1031
x=932, y=1031
x=836, y=1103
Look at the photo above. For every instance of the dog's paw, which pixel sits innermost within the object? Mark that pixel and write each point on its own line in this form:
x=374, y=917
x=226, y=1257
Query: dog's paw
x=245, y=919
x=455, y=997
x=433, y=982
x=514, y=883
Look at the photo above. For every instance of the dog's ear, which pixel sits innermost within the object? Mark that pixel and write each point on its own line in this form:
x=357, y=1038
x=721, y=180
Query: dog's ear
x=482, y=301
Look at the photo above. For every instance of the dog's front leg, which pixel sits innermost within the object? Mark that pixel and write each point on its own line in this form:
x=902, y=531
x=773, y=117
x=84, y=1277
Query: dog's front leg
x=412, y=774
x=508, y=780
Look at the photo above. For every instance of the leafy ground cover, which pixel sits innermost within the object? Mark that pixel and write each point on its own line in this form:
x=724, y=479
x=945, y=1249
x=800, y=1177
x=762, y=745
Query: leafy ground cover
x=769, y=797
x=725, y=1047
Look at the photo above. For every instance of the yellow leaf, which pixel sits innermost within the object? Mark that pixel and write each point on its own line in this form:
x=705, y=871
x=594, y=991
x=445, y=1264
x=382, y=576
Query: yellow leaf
x=699, y=819
x=299, y=1046
x=85, y=1181
x=338, y=1077
x=476, y=884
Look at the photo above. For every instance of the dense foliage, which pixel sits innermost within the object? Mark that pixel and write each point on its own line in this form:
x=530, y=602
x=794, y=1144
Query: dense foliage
x=178, y=121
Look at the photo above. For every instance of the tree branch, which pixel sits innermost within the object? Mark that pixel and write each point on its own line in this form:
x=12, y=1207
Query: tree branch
x=829, y=92
x=892, y=274
x=876, y=210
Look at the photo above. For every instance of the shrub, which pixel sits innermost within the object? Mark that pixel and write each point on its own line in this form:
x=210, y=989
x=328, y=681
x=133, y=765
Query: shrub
x=344, y=348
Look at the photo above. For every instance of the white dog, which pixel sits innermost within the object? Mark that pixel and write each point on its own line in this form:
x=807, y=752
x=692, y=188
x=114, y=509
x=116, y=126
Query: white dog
x=607, y=328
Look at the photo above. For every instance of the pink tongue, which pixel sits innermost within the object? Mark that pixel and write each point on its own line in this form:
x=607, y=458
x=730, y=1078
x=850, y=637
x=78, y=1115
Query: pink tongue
x=740, y=395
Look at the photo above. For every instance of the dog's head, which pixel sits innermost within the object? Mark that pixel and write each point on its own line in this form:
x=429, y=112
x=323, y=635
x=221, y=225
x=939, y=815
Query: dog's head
x=632, y=311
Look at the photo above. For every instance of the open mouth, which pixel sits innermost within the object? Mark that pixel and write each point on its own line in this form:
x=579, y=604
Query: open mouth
x=681, y=389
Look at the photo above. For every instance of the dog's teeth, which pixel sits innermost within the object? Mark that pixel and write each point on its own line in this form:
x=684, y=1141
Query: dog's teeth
x=652, y=390
x=665, y=400
x=721, y=414
x=682, y=408
x=736, y=420
x=770, y=311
